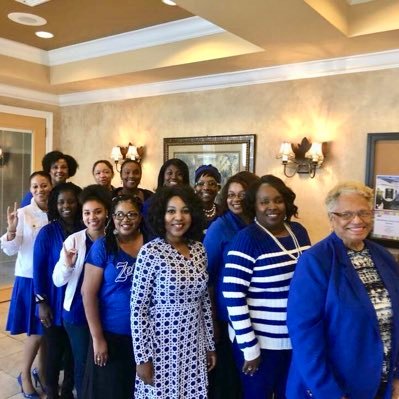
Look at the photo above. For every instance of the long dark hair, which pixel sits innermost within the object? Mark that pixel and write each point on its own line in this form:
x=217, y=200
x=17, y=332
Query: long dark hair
x=159, y=202
x=111, y=244
x=182, y=166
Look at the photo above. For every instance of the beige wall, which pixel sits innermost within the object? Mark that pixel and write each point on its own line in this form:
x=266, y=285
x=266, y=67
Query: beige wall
x=339, y=109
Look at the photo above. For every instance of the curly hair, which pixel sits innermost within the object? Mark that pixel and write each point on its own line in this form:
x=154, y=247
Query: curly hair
x=53, y=213
x=182, y=166
x=111, y=244
x=243, y=178
x=94, y=192
x=288, y=195
x=109, y=165
x=51, y=157
x=159, y=203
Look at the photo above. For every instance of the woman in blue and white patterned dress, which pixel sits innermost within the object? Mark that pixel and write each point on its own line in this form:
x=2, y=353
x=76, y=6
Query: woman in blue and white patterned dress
x=171, y=318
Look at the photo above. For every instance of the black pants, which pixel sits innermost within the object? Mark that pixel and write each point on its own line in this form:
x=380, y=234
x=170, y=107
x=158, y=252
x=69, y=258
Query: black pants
x=59, y=356
x=224, y=379
x=116, y=379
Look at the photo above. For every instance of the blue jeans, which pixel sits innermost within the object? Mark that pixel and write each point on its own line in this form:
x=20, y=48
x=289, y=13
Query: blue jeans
x=79, y=337
x=270, y=379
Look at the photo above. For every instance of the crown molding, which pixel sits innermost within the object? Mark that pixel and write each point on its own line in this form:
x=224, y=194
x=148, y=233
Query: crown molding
x=305, y=70
x=28, y=95
x=23, y=52
x=170, y=32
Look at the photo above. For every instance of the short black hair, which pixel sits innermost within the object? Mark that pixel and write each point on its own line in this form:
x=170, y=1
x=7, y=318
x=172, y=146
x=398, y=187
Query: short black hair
x=287, y=194
x=98, y=193
x=111, y=243
x=108, y=163
x=245, y=179
x=53, y=198
x=127, y=161
x=181, y=165
x=159, y=202
x=51, y=157
x=40, y=173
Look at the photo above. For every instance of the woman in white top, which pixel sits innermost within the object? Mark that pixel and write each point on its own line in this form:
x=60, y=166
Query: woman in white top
x=23, y=226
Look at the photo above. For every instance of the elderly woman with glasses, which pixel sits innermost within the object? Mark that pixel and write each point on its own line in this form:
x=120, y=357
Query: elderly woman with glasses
x=106, y=290
x=343, y=308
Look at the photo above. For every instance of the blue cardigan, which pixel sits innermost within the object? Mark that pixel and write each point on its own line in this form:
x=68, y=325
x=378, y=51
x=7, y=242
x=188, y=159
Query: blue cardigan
x=337, y=349
x=217, y=239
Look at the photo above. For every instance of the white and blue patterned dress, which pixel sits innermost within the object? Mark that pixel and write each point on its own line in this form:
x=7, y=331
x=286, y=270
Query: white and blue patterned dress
x=171, y=320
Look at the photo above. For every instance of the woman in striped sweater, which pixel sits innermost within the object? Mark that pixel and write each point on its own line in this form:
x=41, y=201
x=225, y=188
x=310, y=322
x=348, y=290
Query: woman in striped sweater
x=257, y=275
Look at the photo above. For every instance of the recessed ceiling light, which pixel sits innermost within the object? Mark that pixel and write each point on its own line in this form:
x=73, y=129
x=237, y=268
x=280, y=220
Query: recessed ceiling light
x=25, y=18
x=169, y=2
x=44, y=35
x=32, y=3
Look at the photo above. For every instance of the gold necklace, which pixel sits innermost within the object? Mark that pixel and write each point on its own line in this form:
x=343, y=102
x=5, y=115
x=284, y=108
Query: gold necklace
x=277, y=241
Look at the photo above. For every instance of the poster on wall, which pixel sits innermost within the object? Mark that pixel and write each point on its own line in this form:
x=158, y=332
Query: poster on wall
x=386, y=208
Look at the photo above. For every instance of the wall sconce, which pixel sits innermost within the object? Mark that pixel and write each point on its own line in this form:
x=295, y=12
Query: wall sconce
x=301, y=158
x=120, y=153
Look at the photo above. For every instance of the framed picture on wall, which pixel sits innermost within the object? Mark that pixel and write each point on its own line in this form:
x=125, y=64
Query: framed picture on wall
x=230, y=154
x=382, y=173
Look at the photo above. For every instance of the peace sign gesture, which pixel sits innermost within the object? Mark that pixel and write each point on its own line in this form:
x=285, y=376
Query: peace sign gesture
x=12, y=221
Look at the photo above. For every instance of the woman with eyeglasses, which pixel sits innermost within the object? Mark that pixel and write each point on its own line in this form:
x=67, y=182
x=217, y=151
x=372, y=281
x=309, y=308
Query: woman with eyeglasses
x=343, y=308
x=95, y=201
x=259, y=265
x=106, y=290
x=224, y=379
x=207, y=186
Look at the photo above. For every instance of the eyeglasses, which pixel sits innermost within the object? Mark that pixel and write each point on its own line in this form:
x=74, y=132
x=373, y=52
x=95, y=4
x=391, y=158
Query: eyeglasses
x=364, y=215
x=232, y=196
x=211, y=184
x=130, y=215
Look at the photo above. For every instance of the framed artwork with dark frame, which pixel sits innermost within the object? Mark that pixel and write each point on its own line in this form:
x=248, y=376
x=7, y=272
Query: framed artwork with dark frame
x=382, y=174
x=230, y=154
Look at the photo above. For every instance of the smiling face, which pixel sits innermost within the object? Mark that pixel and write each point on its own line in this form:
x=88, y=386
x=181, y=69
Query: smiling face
x=131, y=175
x=353, y=231
x=103, y=174
x=207, y=188
x=235, y=197
x=177, y=219
x=67, y=206
x=173, y=176
x=94, y=216
x=59, y=171
x=270, y=208
x=126, y=218
x=40, y=188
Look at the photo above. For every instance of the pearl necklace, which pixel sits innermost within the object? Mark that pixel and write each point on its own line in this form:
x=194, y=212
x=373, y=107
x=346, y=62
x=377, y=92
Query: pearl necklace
x=210, y=213
x=278, y=243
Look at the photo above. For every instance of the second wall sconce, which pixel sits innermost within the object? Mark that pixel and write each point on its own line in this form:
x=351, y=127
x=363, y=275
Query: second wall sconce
x=120, y=153
x=301, y=158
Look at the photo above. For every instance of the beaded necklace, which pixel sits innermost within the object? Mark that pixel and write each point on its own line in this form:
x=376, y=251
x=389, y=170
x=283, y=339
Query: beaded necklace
x=278, y=243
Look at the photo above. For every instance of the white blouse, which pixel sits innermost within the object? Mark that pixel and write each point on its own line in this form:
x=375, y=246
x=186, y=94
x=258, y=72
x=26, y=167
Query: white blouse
x=30, y=220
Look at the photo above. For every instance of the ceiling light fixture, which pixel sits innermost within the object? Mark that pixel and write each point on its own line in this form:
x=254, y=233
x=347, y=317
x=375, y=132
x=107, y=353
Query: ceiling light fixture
x=169, y=2
x=44, y=35
x=24, y=18
x=32, y=3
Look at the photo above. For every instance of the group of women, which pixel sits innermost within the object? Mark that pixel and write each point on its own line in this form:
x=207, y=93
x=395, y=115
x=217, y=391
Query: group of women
x=131, y=303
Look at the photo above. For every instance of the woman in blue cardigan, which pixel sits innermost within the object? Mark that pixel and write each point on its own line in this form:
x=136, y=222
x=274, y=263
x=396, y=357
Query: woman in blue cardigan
x=343, y=308
x=224, y=380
